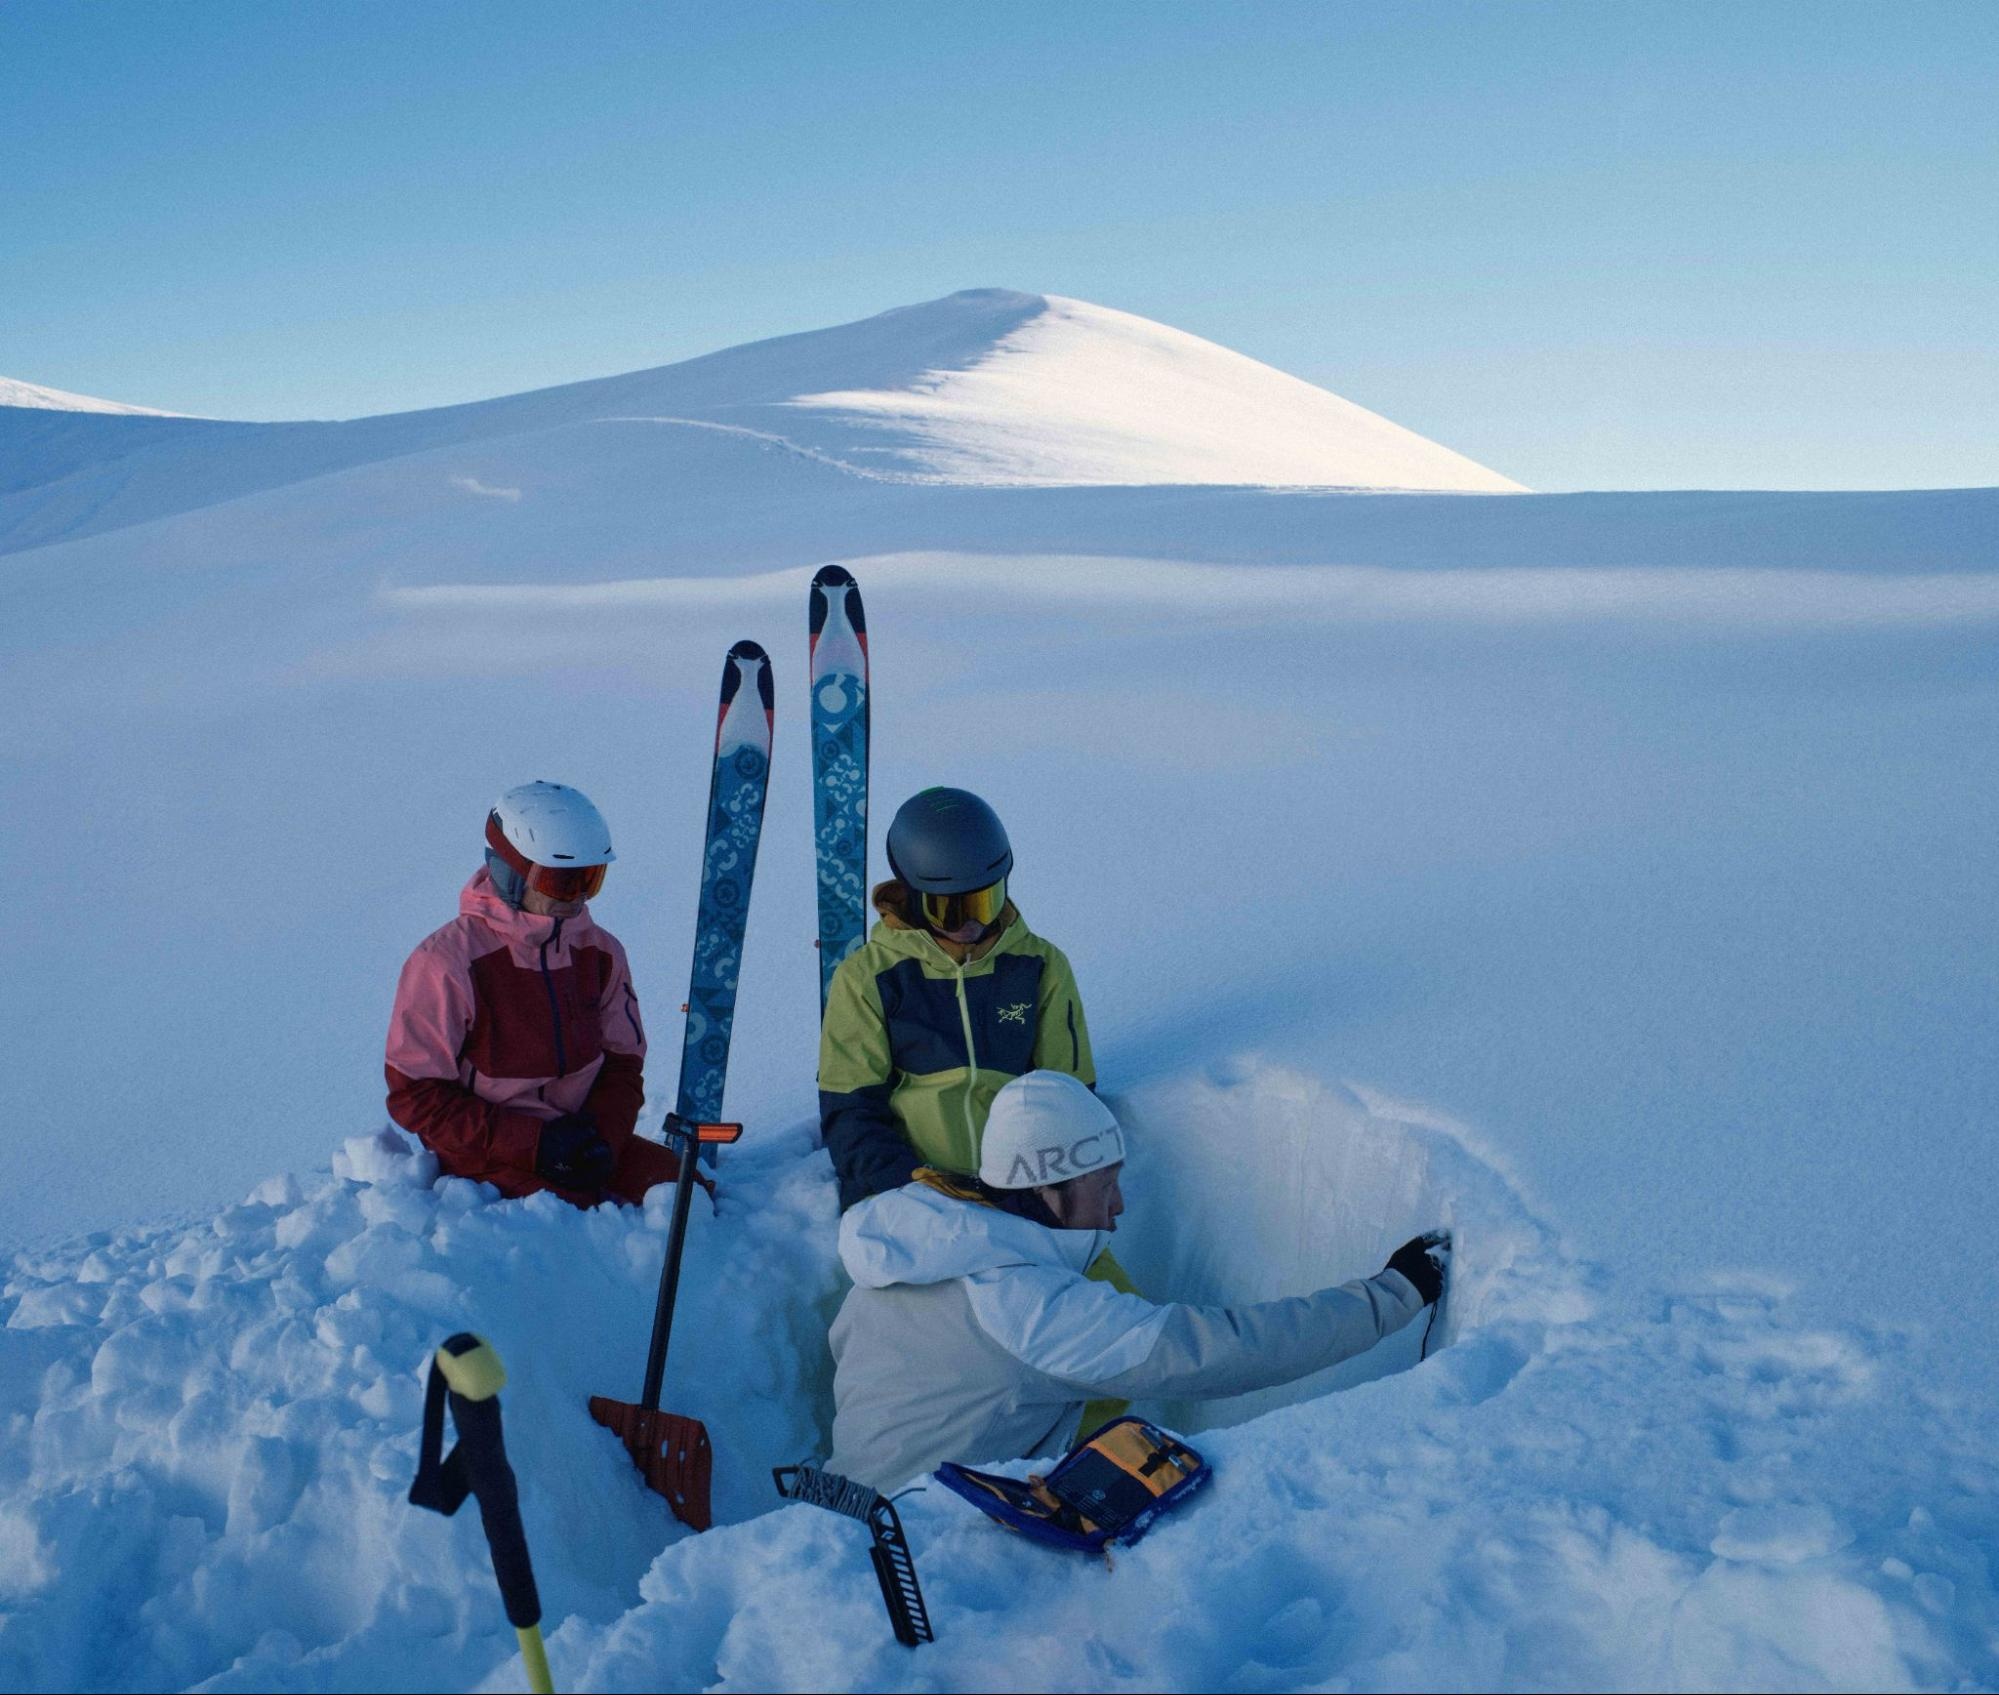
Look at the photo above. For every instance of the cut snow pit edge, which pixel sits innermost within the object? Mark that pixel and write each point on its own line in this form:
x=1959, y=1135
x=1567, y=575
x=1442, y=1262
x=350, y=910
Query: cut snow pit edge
x=1252, y=1182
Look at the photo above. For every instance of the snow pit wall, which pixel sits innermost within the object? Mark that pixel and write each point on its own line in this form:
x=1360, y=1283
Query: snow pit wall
x=1254, y=1183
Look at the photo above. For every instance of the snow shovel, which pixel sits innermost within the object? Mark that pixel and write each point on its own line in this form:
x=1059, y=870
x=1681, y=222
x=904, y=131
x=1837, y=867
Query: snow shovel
x=671, y=1452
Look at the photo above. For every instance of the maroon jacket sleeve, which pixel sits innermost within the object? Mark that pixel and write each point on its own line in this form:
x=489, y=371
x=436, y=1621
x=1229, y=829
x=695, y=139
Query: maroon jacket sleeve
x=615, y=1098
x=619, y=1092
x=427, y=1030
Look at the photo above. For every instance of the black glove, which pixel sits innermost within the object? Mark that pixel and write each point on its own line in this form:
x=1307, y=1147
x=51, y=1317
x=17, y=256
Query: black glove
x=1413, y=1260
x=571, y=1155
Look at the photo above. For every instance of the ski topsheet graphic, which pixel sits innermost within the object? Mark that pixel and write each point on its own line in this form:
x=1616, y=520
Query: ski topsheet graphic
x=728, y=862
x=839, y=669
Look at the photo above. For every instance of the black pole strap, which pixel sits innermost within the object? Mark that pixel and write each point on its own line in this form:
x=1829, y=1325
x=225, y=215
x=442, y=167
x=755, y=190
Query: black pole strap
x=477, y=1465
x=441, y=1485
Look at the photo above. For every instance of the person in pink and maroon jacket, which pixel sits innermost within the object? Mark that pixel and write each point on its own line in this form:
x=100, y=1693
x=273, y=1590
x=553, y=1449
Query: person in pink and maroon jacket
x=516, y=1053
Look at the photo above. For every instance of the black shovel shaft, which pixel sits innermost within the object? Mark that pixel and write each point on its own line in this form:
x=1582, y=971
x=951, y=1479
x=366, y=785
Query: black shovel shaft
x=669, y=1275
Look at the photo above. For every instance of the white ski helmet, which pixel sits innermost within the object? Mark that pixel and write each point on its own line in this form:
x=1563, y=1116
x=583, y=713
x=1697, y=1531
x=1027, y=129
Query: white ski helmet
x=553, y=824
x=1047, y=1127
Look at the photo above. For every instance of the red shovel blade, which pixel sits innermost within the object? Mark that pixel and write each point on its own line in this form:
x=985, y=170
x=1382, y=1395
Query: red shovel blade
x=671, y=1452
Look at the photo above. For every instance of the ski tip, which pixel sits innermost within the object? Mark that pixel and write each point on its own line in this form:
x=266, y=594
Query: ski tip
x=747, y=663
x=835, y=603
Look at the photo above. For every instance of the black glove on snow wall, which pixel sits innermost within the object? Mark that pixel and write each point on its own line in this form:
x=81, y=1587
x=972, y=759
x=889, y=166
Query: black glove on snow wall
x=1413, y=1260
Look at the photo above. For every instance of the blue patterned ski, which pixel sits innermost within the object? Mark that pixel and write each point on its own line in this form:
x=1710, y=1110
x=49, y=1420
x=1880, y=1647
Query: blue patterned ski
x=839, y=669
x=728, y=862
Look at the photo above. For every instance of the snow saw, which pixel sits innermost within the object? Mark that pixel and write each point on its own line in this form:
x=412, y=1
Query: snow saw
x=895, y=1567
x=468, y=1370
x=672, y=1452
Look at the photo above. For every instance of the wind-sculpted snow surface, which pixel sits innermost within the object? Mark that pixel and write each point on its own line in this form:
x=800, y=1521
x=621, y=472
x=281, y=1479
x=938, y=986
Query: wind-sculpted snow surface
x=211, y=1428
x=1078, y=393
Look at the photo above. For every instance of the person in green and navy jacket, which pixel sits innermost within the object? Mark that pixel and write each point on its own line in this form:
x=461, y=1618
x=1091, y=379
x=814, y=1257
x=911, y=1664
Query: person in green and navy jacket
x=949, y=1000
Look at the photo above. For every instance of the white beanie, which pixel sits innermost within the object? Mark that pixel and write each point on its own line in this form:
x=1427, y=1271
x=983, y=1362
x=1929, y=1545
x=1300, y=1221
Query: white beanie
x=1047, y=1127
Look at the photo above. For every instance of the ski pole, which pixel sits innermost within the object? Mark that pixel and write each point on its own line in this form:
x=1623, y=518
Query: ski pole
x=468, y=1370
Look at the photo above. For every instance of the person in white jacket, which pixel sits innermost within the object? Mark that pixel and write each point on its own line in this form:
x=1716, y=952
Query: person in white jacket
x=971, y=1333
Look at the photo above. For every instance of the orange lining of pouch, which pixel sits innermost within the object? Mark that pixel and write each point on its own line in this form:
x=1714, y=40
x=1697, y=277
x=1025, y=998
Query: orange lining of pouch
x=1128, y=1448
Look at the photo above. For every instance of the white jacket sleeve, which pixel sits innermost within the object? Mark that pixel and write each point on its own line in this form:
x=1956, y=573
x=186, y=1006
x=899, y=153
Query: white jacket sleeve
x=1097, y=1342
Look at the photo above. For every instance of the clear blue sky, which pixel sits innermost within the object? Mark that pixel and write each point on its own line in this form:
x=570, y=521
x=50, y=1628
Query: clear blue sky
x=1591, y=245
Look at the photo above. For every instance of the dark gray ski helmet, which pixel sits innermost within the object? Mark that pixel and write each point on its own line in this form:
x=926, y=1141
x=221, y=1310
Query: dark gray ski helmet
x=948, y=842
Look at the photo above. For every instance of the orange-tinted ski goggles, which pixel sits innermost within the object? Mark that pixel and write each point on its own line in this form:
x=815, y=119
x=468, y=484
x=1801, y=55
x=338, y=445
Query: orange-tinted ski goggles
x=946, y=913
x=557, y=882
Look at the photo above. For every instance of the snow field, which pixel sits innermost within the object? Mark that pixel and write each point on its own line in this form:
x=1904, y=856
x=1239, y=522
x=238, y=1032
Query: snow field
x=211, y=1428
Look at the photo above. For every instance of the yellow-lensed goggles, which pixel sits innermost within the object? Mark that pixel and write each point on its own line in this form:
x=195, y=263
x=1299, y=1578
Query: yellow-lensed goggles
x=948, y=913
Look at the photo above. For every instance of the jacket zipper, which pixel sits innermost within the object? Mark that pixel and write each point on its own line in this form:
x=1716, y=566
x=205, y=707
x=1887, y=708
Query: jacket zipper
x=965, y=1016
x=554, y=1007
x=971, y=1064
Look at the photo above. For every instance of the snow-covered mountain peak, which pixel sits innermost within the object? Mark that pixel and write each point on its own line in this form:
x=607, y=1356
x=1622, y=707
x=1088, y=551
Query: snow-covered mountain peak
x=1045, y=391
x=35, y=397
x=987, y=388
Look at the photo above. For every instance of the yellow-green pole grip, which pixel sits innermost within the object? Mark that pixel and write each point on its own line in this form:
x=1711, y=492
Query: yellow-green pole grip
x=535, y=1657
x=471, y=1367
